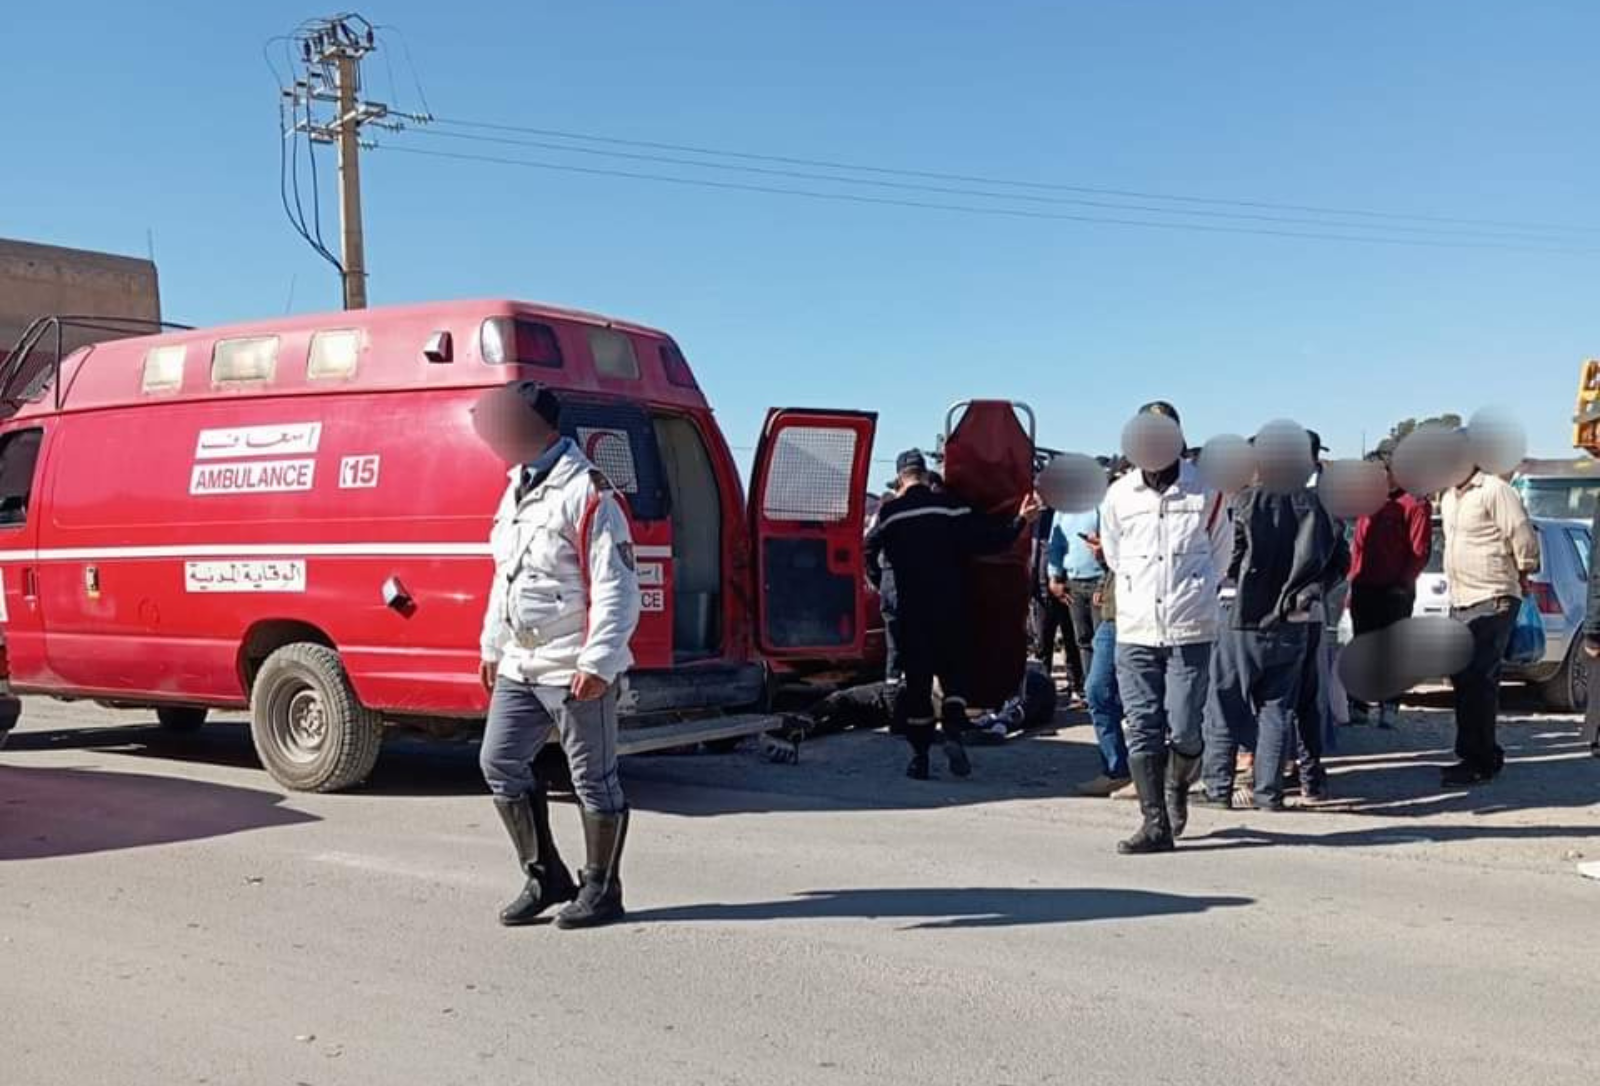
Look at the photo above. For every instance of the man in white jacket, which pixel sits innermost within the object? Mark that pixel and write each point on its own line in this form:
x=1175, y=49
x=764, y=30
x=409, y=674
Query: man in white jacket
x=1167, y=540
x=563, y=606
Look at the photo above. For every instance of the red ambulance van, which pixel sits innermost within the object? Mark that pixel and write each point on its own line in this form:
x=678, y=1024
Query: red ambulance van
x=292, y=516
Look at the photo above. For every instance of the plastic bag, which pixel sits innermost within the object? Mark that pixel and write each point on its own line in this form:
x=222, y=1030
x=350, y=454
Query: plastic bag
x=1526, y=646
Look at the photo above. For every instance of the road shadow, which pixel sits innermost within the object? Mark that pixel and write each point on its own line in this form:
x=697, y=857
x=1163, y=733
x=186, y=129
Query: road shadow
x=1548, y=766
x=219, y=743
x=46, y=812
x=851, y=769
x=1255, y=836
x=934, y=909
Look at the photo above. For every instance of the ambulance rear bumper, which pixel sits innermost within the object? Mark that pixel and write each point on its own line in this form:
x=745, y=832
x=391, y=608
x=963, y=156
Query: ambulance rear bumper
x=690, y=689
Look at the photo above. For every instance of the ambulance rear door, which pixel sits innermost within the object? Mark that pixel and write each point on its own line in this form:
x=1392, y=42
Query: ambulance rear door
x=808, y=497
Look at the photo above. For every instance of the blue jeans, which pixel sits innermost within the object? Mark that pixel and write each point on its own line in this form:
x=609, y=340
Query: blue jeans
x=1105, y=702
x=1164, y=692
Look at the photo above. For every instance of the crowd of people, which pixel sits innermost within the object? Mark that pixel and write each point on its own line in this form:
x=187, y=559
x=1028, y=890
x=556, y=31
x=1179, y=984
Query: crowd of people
x=1195, y=614
x=1197, y=619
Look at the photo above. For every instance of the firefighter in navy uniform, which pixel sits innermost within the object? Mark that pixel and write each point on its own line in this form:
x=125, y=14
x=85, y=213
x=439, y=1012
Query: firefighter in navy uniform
x=562, y=609
x=916, y=556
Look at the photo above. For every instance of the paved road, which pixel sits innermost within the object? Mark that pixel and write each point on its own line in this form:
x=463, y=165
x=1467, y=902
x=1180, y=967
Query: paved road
x=168, y=917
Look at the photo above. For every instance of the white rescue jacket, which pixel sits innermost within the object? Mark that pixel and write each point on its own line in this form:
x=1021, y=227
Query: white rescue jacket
x=565, y=596
x=1169, y=552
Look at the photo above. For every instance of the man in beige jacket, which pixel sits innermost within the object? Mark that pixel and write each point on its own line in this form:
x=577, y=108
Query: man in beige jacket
x=1490, y=550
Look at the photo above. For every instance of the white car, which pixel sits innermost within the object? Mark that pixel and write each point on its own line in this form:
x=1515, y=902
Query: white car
x=1560, y=588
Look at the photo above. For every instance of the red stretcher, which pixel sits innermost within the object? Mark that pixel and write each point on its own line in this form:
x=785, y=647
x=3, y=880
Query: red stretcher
x=989, y=464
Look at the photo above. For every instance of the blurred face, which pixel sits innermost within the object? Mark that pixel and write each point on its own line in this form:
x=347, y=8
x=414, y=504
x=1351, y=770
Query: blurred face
x=510, y=426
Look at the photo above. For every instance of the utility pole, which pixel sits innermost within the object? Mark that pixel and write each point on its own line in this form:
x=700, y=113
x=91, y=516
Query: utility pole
x=354, y=248
x=327, y=108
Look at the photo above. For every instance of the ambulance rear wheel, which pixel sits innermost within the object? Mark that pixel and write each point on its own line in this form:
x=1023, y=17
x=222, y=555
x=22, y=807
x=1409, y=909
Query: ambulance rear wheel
x=310, y=731
x=181, y=718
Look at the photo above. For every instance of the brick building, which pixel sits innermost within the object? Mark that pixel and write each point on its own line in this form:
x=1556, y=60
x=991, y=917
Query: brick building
x=40, y=280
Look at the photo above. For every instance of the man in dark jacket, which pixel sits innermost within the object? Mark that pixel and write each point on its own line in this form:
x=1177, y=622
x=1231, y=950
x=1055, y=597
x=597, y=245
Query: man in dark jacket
x=1311, y=708
x=916, y=555
x=1285, y=557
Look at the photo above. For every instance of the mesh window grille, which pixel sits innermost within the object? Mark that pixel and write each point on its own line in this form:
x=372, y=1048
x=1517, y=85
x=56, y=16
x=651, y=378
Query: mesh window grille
x=810, y=475
x=612, y=453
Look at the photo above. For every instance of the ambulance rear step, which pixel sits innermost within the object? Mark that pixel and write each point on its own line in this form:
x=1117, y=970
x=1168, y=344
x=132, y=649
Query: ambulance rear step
x=657, y=737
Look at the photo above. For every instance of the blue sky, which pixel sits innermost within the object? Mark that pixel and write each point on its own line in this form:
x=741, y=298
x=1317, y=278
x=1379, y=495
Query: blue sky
x=126, y=119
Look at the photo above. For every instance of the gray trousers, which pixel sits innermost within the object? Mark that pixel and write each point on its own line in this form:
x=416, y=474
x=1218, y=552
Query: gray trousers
x=1164, y=696
x=522, y=718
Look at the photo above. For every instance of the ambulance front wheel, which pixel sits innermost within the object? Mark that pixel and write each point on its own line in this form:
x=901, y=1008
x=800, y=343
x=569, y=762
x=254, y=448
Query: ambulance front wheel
x=310, y=730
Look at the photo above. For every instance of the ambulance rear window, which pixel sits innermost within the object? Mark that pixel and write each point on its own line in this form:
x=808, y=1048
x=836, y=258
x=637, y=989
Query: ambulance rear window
x=613, y=354
x=236, y=361
x=676, y=368
x=514, y=341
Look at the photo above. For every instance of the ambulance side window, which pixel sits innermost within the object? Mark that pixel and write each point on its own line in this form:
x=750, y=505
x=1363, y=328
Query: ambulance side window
x=19, y=452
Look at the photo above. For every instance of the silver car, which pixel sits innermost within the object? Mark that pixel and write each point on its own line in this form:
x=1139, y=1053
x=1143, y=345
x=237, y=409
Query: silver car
x=1560, y=588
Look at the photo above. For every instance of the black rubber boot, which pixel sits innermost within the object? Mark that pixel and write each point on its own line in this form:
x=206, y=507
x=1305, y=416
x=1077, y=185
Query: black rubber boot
x=920, y=736
x=1182, y=772
x=1149, y=772
x=527, y=821
x=953, y=723
x=599, y=899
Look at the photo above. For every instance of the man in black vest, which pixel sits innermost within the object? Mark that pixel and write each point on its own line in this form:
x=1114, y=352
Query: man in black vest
x=916, y=555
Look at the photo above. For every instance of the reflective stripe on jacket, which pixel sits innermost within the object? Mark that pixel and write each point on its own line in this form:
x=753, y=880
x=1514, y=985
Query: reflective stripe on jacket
x=565, y=596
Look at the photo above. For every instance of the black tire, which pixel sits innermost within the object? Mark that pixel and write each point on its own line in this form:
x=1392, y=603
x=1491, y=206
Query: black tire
x=181, y=719
x=310, y=731
x=1568, y=692
x=10, y=713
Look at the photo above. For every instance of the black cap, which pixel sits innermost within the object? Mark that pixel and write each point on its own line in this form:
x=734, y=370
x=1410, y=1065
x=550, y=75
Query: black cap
x=1161, y=407
x=545, y=403
x=1316, y=443
x=911, y=460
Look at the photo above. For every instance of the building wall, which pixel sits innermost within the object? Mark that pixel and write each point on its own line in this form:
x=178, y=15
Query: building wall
x=41, y=280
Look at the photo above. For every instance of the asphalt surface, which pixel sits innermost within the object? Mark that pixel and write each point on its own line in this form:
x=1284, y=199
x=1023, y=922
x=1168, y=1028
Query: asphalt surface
x=168, y=916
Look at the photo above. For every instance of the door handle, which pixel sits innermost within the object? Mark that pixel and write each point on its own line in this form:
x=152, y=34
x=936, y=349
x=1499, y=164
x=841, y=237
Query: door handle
x=30, y=583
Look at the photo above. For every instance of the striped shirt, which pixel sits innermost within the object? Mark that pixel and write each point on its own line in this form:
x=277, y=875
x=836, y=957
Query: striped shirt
x=1489, y=542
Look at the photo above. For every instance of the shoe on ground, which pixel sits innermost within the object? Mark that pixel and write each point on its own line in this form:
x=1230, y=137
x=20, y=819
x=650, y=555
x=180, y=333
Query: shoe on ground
x=917, y=768
x=1203, y=798
x=1144, y=842
x=1127, y=791
x=1388, y=717
x=1103, y=786
x=1315, y=794
x=1463, y=775
x=1360, y=715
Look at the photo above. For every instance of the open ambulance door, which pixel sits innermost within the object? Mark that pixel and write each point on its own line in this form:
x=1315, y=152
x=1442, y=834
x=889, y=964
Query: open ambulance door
x=808, y=497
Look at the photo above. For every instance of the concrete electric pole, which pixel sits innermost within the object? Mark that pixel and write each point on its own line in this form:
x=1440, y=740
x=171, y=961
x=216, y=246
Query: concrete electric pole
x=325, y=105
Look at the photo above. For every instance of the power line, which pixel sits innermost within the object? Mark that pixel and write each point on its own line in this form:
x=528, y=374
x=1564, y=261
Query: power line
x=903, y=186
x=1006, y=212
x=857, y=167
x=289, y=129
x=416, y=79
